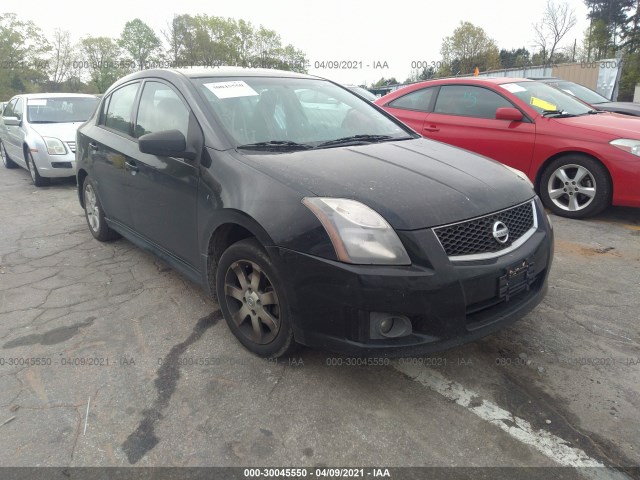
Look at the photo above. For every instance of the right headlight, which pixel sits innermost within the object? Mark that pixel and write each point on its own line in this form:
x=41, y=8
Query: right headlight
x=54, y=146
x=628, y=145
x=359, y=234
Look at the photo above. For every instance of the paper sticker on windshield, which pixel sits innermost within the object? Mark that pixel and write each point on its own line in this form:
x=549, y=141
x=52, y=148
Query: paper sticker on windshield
x=538, y=102
x=513, y=88
x=236, y=88
x=38, y=102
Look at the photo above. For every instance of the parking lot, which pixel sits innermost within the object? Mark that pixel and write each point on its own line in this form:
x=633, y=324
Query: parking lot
x=109, y=330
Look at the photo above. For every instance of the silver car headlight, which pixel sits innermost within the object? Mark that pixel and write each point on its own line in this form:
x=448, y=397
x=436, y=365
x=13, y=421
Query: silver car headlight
x=628, y=145
x=359, y=234
x=520, y=174
x=54, y=146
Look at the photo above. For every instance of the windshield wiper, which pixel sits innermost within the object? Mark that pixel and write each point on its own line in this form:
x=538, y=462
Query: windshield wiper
x=556, y=114
x=275, y=145
x=358, y=140
x=595, y=112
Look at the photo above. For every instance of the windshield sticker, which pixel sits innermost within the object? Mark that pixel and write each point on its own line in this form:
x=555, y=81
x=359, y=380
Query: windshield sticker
x=38, y=102
x=538, y=102
x=236, y=88
x=513, y=88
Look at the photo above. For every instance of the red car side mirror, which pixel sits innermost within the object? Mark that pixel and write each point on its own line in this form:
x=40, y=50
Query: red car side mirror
x=512, y=114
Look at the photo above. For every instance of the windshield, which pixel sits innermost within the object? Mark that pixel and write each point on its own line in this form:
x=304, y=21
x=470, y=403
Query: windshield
x=583, y=93
x=295, y=112
x=60, y=109
x=546, y=99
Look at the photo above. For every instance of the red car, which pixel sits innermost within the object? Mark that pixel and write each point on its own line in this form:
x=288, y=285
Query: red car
x=580, y=160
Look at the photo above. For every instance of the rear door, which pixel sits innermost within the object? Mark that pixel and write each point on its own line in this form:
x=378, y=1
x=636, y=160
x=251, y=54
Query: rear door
x=465, y=116
x=164, y=189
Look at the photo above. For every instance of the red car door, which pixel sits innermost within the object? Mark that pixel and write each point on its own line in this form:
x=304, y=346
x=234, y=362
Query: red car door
x=464, y=116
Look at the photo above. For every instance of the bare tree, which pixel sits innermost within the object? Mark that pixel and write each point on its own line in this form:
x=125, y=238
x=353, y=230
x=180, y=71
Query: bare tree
x=557, y=20
x=61, y=57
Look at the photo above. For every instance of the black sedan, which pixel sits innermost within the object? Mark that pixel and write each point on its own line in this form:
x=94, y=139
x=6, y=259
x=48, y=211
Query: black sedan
x=329, y=224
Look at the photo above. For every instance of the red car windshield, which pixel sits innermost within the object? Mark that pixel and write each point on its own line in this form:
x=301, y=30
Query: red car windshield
x=544, y=98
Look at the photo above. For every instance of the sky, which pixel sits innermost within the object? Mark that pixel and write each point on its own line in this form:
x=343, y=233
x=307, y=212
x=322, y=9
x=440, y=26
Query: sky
x=365, y=34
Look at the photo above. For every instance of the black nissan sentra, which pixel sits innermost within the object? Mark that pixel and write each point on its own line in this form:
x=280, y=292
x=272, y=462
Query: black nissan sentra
x=312, y=215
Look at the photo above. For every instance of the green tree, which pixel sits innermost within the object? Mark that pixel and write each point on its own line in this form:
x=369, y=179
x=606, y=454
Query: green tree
x=515, y=58
x=140, y=43
x=469, y=47
x=102, y=57
x=23, y=51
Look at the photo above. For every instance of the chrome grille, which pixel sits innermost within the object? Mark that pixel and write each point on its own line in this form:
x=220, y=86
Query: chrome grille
x=72, y=146
x=475, y=237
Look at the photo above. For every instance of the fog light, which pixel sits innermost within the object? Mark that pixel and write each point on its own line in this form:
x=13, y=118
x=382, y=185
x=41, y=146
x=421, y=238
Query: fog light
x=387, y=325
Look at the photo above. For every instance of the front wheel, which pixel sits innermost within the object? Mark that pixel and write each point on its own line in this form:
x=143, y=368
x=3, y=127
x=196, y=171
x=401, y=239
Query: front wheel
x=575, y=186
x=95, y=215
x=37, y=180
x=252, y=300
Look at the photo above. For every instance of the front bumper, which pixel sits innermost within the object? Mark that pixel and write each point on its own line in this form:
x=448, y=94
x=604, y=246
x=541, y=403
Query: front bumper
x=54, y=166
x=448, y=303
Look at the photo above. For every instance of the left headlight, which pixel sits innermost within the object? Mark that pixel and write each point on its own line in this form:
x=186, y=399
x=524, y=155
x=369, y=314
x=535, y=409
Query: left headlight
x=520, y=174
x=628, y=145
x=54, y=146
x=359, y=234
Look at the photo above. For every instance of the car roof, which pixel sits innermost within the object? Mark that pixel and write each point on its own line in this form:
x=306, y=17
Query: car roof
x=224, y=71
x=55, y=95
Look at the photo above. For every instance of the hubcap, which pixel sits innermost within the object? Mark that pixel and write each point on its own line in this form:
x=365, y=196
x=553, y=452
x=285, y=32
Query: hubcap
x=91, y=208
x=252, y=302
x=572, y=187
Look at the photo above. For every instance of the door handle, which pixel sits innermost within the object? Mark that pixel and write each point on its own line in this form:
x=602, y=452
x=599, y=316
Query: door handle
x=131, y=167
x=431, y=128
x=93, y=146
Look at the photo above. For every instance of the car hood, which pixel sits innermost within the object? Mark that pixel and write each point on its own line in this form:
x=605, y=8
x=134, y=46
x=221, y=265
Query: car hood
x=62, y=131
x=413, y=184
x=612, y=124
x=630, y=108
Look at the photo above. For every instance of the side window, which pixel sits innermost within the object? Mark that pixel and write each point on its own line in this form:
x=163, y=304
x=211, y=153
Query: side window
x=469, y=101
x=161, y=109
x=18, y=108
x=120, y=106
x=8, y=111
x=418, y=100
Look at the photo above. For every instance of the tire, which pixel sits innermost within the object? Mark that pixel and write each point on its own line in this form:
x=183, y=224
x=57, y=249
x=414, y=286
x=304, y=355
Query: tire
x=37, y=180
x=94, y=214
x=575, y=186
x=254, y=305
x=6, y=161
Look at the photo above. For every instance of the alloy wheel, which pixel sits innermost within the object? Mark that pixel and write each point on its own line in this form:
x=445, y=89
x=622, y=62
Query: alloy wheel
x=572, y=187
x=32, y=168
x=252, y=302
x=91, y=207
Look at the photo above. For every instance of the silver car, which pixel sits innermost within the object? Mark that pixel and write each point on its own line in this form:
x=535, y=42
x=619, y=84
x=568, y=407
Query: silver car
x=38, y=133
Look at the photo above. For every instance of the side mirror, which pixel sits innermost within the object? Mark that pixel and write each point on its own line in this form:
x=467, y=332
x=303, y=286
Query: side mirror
x=12, y=121
x=511, y=114
x=168, y=143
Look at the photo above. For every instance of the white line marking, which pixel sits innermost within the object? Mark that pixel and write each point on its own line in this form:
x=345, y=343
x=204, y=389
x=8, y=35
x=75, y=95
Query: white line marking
x=86, y=417
x=546, y=443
